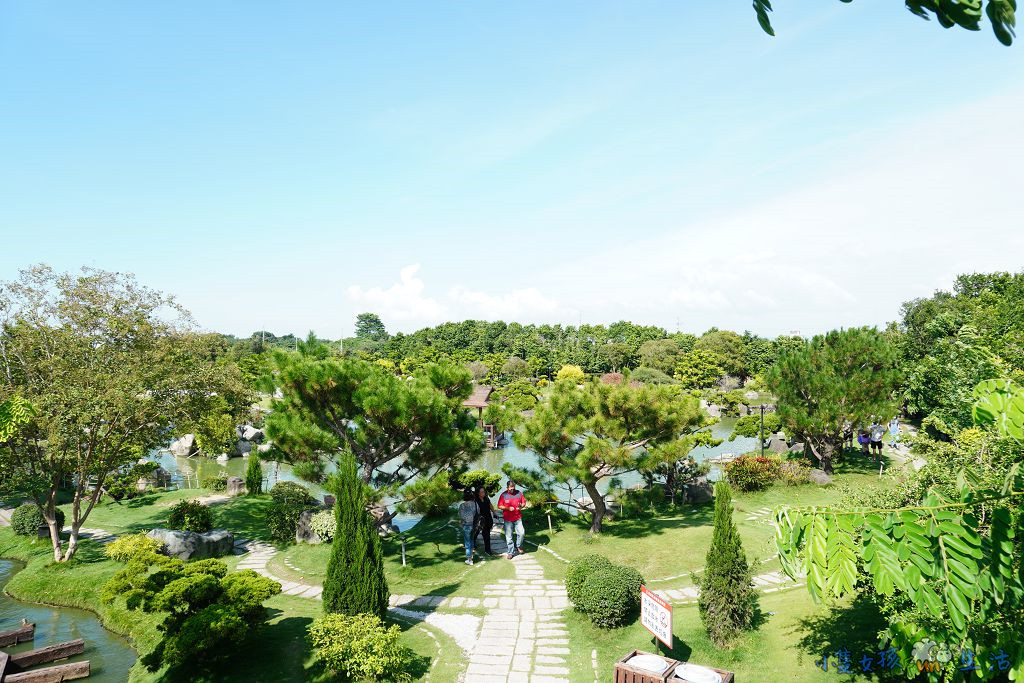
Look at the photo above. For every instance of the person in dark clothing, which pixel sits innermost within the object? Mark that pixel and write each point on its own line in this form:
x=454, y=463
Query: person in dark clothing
x=469, y=518
x=483, y=501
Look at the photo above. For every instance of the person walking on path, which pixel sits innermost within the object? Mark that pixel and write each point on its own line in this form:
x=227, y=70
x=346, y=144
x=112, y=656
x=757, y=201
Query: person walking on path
x=894, y=431
x=511, y=504
x=469, y=517
x=486, y=508
x=864, y=440
x=877, y=432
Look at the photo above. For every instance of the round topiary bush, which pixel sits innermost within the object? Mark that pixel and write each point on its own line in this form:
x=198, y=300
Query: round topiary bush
x=360, y=647
x=610, y=596
x=26, y=519
x=288, y=492
x=578, y=571
x=190, y=515
x=753, y=472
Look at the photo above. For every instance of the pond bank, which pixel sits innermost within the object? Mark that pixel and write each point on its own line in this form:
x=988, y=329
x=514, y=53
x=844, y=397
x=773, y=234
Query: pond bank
x=111, y=657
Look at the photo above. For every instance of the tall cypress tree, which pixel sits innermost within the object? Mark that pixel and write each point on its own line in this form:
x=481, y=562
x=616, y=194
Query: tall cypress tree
x=254, y=475
x=727, y=597
x=355, y=582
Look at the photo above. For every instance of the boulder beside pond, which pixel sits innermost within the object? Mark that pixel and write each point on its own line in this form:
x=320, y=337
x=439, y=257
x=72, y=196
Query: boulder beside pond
x=236, y=486
x=185, y=446
x=188, y=545
x=700, y=491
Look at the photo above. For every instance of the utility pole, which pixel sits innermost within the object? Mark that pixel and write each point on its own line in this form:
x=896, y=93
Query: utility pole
x=761, y=432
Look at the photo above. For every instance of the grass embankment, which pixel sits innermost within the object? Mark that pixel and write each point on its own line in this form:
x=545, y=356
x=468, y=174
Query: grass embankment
x=280, y=652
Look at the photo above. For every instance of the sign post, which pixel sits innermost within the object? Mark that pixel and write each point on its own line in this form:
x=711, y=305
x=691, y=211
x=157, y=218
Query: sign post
x=656, y=616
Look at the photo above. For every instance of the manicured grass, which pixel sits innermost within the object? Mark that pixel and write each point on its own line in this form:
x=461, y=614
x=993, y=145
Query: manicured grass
x=138, y=514
x=791, y=635
x=434, y=563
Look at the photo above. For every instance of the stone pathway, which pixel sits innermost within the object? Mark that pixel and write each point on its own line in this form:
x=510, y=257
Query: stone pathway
x=5, y=516
x=770, y=582
x=258, y=554
x=523, y=638
x=759, y=514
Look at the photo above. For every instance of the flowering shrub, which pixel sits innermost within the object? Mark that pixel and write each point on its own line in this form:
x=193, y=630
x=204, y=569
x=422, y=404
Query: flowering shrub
x=753, y=472
x=324, y=524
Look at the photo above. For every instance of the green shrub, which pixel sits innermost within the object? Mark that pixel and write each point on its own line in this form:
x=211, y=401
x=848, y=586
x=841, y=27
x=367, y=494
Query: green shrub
x=190, y=515
x=216, y=482
x=753, y=472
x=578, y=571
x=608, y=600
x=794, y=473
x=254, y=475
x=727, y=600
x=283, y=520
x=360, y=647
x=27, y=519
x=129, y=546
x=491, y=481
x=324, y=524
x=651, y=376
x=290, y=492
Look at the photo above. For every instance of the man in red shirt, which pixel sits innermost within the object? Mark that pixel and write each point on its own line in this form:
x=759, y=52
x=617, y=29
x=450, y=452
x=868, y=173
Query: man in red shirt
x=511, y=504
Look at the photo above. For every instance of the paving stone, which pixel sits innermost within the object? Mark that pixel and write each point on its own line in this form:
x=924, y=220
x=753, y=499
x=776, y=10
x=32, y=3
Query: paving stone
x=548, y=659
x=551, y=670
x=545, y=650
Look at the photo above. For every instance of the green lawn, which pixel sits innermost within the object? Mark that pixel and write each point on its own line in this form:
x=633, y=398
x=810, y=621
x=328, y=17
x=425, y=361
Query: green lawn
x=791, y=635
x=434, y=563
x=672, y=541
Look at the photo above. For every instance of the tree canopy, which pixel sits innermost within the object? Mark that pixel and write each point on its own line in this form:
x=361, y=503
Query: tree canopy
x=107, y=366
x=397, y=428
x=843, y=377
x=586, y=434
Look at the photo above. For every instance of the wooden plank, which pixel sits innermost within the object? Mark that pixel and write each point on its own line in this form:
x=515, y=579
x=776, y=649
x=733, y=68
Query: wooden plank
x=50, y=653
x=52, y=674
x=22, y=634
x=3, y=664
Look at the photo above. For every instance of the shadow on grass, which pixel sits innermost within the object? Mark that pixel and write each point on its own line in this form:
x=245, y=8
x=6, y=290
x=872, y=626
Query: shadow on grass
x=659, y=521
x=854, y=628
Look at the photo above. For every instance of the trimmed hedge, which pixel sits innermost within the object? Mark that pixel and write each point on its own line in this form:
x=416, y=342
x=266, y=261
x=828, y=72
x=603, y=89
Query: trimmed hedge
x=578, y=571
x=190, y=515
x=609, y=594
x=26, y=519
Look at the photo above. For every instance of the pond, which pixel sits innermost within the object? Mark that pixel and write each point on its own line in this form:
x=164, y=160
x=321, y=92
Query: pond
x=109, y=655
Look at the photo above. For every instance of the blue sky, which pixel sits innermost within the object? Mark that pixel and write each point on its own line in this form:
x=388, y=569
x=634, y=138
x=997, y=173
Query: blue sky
x=286, y=166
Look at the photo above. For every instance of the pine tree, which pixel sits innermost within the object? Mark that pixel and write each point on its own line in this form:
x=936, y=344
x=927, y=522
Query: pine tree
x=727, y=597
x=254, y=475
x=355, y=582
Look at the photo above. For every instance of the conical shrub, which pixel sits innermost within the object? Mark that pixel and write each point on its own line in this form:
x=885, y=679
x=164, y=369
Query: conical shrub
x=355, y=582
x=727, y=599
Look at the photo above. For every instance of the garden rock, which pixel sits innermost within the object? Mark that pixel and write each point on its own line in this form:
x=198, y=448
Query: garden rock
x=819, y=477
x=699, y=491
x=328, y=500
x=263, y=448
x=777, y=444
x=243, y=447
x=750, y=394
x=250, y=433
x=236, y=486
x=303, y=532
x=185, y=446
x=188, y=545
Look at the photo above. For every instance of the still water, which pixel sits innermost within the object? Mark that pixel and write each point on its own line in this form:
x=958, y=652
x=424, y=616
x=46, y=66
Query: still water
x=109, y=655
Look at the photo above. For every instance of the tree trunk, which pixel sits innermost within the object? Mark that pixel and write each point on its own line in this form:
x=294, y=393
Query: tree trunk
x=599, y=507
x=824, y=452
x=54, y=537
x=72, y=544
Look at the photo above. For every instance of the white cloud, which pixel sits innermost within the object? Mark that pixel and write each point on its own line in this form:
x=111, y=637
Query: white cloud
x=405, y=306
x=402, y=302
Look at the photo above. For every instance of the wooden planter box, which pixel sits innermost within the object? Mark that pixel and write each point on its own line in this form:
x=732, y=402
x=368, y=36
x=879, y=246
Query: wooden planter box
x=624, y=673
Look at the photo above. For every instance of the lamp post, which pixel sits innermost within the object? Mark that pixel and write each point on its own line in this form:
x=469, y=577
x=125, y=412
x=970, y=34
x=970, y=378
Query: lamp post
x=761, y=432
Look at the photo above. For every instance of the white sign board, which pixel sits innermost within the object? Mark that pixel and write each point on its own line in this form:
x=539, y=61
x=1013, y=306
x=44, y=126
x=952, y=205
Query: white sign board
x=656, y=615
